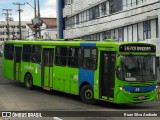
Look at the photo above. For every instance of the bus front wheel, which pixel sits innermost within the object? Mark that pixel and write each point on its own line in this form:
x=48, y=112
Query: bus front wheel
x=87, y=95
x=29, y=81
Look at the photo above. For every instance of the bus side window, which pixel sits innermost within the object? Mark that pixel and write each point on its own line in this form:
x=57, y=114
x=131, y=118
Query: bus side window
x=61, y=56
x=26, y=57
x=90, y=58
x=73, y=57
x=36, y=53
x=8, y=51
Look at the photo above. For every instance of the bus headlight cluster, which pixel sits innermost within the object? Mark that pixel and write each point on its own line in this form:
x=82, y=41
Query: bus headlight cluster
x=157, y=86
x=121, y=88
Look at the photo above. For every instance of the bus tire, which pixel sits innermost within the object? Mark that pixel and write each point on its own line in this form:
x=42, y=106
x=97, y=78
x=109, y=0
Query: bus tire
x=87, y=95
x=28, y=81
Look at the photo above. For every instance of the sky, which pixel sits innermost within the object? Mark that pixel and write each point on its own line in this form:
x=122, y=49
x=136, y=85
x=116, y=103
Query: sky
x=48, y=9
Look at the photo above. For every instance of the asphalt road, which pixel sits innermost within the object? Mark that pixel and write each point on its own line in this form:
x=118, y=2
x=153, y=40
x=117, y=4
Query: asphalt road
x=14, y=97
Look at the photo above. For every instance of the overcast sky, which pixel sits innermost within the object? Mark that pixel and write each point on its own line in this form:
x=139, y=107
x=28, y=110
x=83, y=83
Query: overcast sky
x=48, y=9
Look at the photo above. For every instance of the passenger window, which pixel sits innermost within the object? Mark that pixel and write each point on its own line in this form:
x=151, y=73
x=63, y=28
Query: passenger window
x=74, y=59
x=61, y=56
x=26, y=57
x=90, y=58
x=8, y=51
x=36, y=53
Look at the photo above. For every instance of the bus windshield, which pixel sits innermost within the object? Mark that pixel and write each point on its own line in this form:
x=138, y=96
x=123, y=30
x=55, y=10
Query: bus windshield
x=138, y=68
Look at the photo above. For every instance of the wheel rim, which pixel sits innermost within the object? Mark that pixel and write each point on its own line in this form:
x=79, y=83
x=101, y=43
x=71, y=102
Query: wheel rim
x=88, y=94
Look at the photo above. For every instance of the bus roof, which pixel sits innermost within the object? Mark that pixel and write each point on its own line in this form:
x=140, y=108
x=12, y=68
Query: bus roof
x=110, y=45
x=72, y=43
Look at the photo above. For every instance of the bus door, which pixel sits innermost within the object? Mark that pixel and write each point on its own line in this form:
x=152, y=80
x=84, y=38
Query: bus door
x=107, y=74
x=47, y=68
x=17, y=63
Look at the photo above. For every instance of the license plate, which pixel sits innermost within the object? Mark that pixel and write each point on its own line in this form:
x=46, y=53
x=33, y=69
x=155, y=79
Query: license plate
x=141, y=97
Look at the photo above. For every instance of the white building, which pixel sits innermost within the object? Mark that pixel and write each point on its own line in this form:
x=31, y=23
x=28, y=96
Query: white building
x=123, y=20
x=48, y=29
x=13, y=30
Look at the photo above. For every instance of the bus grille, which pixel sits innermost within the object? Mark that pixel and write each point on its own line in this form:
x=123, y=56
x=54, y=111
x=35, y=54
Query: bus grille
x=144, y=97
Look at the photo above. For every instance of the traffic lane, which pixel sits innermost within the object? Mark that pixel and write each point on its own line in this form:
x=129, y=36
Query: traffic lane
x=16, y=97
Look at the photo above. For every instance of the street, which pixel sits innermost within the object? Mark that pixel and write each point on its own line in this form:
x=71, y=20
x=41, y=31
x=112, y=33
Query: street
x=14, y=97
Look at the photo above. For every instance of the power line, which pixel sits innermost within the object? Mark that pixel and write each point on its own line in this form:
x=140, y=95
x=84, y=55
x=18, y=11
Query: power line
x=19, y=10
x=7, y=17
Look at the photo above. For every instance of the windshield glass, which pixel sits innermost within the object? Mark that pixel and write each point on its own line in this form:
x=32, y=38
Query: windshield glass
x=138, y=68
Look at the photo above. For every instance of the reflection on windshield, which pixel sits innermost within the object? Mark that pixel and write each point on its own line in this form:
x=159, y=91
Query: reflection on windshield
x=138, y=68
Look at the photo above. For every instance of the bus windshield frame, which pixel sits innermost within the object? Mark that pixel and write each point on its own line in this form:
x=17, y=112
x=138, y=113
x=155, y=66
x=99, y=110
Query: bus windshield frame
x=137, y=68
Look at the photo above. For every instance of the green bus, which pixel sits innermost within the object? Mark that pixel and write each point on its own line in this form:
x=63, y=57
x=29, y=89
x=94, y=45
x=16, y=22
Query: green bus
x=111, y=71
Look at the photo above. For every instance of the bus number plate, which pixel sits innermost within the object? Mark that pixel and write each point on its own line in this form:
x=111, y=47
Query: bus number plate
x=141, y=97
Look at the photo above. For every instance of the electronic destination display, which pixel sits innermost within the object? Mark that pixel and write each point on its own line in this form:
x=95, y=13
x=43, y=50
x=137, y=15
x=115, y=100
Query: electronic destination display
x=137, y=48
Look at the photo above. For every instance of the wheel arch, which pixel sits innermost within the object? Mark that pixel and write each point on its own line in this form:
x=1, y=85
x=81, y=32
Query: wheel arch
x=83, y=84
x=26, y=74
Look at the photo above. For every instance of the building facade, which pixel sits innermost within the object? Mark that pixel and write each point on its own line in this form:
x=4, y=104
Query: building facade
x=13, y=30
x=122, y=20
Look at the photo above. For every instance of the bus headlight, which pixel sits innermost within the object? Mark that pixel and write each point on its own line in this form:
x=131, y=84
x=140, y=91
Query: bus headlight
x=157, y=86
x=121, y=88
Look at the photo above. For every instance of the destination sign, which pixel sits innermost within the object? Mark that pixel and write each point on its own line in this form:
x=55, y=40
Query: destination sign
x=137, y=48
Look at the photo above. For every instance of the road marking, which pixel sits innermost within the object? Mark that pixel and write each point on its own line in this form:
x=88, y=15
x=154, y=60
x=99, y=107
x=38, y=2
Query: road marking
x=56, y=118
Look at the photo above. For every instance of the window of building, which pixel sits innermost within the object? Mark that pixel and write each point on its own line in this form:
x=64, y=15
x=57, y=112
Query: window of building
x=103, y=8
x=97, y=36
x=26, y=56
x=116, y=34
x=120, y=34
x=134, y=2
x=74, y=57
x=157, y=28
x=113, y=34
x=135, y=32
x=140, y=1
x=80, y=17
x=77, y=19
x=140, y=31
x=90, y=14
x=146, y=30
x=129, y=3
x=95, y=12
x=8, y=51
x=130, y=33
x=61, y=56
x=89, y=58
x=87, y=15
x=23, y=26
x=115, y=6
x=36, y=53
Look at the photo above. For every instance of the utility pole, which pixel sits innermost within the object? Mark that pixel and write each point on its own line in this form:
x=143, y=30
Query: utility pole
x=7, y=17
x=35, y=11
x=39, y=19
x=19, y=10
